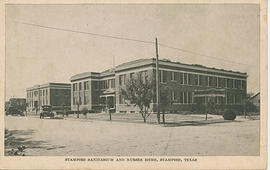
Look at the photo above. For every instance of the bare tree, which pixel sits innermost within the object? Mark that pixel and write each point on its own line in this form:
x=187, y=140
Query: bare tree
x=139, y=91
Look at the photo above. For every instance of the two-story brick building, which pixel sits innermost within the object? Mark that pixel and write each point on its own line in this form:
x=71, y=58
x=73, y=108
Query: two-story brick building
x=186, y=84
x=54, y=94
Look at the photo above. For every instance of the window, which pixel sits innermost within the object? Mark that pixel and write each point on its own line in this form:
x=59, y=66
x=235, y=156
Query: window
x=74, y=86
x=229, y=98
x=185, y=78
x=181, y=97
x=190, y=79
x=185, y=97
x=234, y=83
x=203, y=80
x=229, y=83
x=181, y=78
x=95, y=84
x=238, y=84
x=85, y=85
x=131, y=75
x=219, y=99
x=244, y=84
x=189, y=97
x=163, y=76
x=221, y=82
x=193, y=79
x=106, y=84
x=213, y=81
x=173, y=76
x=85, y=98
x=102, y=84
x=173, y=95
x=143, y=75
x=238, y=98
x=122, y=79
x=112, y=83
x=80, y=86
x=196, y=79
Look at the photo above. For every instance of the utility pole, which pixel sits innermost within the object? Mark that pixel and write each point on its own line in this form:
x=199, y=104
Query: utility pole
x=157, y=84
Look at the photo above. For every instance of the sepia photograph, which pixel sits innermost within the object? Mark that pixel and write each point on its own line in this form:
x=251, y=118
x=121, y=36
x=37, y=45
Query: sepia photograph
x=174, y=81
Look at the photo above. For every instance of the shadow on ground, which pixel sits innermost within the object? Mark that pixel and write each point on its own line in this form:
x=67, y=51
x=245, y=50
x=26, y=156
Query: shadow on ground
x=18, y=138
x=197, y=123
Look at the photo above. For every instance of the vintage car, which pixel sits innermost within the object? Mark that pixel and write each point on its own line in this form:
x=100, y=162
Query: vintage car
x=12, y=110
x=46, y=112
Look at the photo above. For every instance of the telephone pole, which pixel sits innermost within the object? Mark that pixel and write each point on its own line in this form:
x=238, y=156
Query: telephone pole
x=157, y=84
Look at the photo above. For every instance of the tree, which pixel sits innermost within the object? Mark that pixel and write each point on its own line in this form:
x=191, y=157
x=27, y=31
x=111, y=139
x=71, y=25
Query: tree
x=139, y=91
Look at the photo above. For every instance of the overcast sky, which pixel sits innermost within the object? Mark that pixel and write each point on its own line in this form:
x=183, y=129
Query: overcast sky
x=37, y=55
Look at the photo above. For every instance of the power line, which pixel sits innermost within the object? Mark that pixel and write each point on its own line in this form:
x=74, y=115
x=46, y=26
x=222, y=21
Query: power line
x=194, y=53
x=127, y=39
x=88, y=33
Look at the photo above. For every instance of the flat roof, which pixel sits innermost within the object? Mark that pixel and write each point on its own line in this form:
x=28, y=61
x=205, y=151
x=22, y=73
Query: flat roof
x=151, y=62
x=67, y=85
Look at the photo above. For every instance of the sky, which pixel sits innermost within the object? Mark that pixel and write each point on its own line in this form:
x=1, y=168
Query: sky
x=228, y=34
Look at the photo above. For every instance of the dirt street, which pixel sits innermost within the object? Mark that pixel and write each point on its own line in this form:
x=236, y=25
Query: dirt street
x=86, y=137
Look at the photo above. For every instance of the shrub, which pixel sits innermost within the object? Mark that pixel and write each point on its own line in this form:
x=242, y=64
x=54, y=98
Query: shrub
x=84, y=111
x=229, y=115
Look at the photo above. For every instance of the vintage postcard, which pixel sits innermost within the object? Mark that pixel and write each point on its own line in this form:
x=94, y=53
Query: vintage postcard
x=133, y=84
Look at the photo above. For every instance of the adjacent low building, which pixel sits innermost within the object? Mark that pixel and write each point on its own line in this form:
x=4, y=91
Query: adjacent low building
x=187, y=86
x=55, y=94
x=255, y=99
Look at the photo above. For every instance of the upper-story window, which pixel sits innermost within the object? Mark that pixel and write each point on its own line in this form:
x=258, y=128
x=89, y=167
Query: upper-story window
x=173, y=76
x=238, y=84
x=85, y=85
x=122, y=79
x=132, y=75
x=112, y=83
x=162, y=76
x=221, y=82
x=203, y=80
x=193, y=79
x=181, y=78
x=212, y=81
x=244, y=85
x=196, y=79
x=234, y=83
x=80, y=86
x=74, y=86
x=229, y=83
x=185, y=78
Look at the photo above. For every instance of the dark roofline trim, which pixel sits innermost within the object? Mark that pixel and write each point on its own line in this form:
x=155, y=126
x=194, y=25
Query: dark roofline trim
x=83, y=78
x=201, y=71
x=182, y=69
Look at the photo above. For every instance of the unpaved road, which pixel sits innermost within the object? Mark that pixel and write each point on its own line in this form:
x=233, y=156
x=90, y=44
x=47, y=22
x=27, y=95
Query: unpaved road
x=73, y=137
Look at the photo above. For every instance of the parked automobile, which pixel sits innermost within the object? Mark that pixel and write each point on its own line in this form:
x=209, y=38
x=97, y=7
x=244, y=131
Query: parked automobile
x=12, y=110
x=46, y=112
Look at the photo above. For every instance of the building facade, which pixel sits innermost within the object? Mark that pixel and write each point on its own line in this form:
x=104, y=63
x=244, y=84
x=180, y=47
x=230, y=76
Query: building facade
x=55, y=94
x=97, y=91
